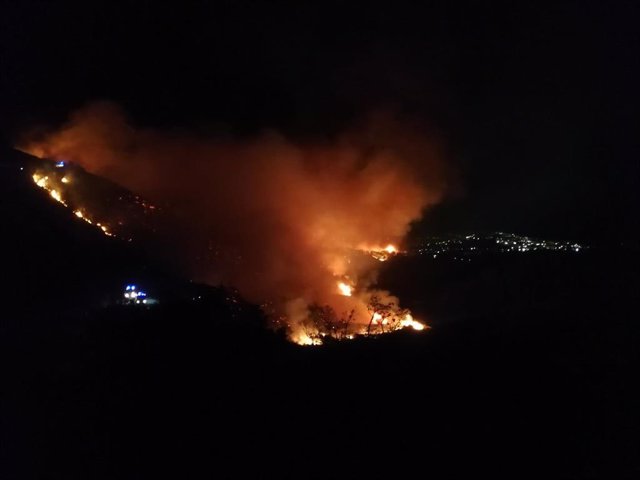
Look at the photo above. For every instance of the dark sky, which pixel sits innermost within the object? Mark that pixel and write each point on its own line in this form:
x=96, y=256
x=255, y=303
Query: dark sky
x=536, y=102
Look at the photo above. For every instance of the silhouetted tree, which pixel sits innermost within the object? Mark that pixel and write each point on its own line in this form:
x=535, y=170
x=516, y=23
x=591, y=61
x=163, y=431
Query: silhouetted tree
x=388, y=314
x=324, y=321
x=384, y=311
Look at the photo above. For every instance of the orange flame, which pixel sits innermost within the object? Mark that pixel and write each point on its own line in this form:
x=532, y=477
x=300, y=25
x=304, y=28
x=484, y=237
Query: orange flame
x=55, y=192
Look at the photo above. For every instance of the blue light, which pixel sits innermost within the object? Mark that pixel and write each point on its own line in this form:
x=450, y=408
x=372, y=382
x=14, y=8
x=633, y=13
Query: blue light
x=60, y=164
x=128, y=287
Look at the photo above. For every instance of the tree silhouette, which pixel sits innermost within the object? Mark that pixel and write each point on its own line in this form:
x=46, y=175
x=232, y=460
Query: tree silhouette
x=386, y=315
x=324, y=321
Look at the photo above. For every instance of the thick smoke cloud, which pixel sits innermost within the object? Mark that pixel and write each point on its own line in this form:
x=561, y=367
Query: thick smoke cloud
x=280, y=218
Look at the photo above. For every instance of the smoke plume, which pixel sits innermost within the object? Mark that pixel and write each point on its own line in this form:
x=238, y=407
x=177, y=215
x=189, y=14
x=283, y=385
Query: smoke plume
x=280, y=219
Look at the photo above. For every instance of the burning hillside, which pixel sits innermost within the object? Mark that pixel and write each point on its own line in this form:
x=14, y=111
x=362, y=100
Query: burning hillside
x=102, y=204
x=283, y=222
x=50, y=184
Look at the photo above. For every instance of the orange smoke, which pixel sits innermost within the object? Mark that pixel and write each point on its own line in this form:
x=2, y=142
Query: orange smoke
x=279, y=220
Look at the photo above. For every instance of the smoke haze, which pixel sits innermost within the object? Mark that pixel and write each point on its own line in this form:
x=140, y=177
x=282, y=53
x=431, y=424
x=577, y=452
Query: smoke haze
x=280, y=219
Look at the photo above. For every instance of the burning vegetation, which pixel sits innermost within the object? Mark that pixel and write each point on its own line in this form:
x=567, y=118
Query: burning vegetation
x=107, y=207
x=296, y=227
x=51, y=183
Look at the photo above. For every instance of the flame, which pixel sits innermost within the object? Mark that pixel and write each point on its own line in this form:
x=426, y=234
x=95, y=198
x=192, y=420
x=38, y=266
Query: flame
x=345, y=290
x=378, y=319
x=55, y=194
x=408, y=321
x=55, y=190
x=304, y=339
x=40, y=180
x=382, y=254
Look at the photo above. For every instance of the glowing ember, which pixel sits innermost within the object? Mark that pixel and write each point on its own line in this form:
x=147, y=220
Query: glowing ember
x=345, y=289
x=65, y=180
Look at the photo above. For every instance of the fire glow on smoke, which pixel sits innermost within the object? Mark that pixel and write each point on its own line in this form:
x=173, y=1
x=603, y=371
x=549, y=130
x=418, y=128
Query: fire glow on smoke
x=284, y=222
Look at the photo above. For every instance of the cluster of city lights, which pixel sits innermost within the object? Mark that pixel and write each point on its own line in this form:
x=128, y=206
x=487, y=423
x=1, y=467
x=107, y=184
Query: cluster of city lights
x=464, y=246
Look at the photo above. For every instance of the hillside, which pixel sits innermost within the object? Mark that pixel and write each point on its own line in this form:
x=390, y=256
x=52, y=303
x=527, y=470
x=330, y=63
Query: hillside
x=529, y=369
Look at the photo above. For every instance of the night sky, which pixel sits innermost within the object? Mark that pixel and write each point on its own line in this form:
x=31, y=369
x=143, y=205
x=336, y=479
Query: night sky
x=535, y=104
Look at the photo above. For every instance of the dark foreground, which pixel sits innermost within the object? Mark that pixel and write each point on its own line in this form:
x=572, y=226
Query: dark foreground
x=543, y=385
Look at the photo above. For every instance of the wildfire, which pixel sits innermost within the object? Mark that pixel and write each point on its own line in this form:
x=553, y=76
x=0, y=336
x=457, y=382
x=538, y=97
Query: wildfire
x=382, y=254
x=304, y=339
x=384, y=314
x=55, y=194
x=408, y=321
x=50, y=184
x=310, y=212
